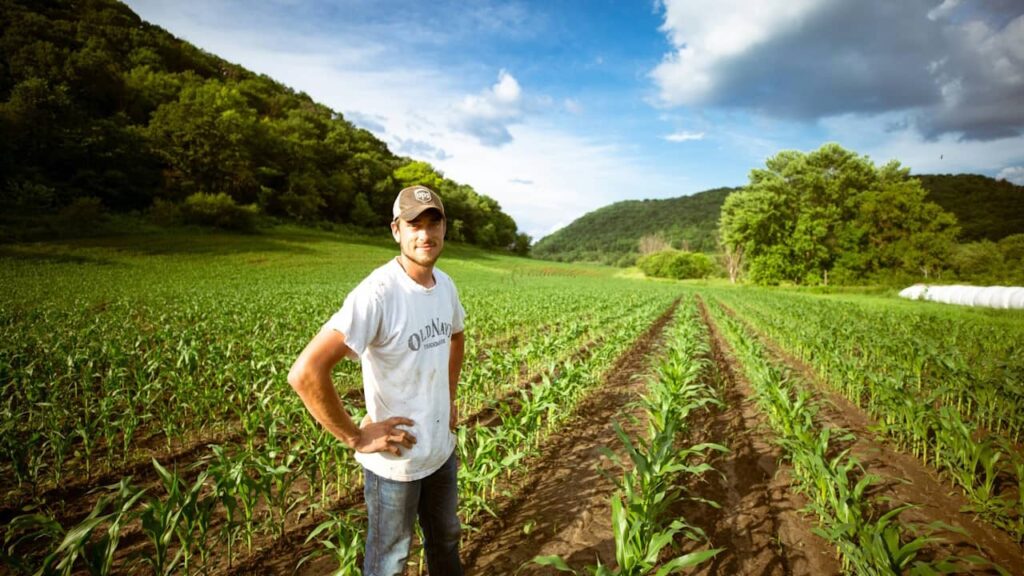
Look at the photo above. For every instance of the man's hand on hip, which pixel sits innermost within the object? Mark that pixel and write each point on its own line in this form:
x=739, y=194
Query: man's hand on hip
x=384, y=436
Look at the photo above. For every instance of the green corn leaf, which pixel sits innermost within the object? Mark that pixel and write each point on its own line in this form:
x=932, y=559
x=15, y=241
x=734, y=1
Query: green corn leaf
x=553, y=561
x=688, y=561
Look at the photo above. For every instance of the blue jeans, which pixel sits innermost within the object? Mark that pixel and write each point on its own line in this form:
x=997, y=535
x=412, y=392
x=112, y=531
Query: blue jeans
x=392, y=508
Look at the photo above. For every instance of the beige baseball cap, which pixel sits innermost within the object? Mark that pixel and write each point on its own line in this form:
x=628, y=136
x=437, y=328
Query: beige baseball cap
x=414, y=200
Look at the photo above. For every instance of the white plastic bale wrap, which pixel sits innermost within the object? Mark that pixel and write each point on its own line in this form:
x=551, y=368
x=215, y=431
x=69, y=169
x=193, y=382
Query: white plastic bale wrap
x=985, y=296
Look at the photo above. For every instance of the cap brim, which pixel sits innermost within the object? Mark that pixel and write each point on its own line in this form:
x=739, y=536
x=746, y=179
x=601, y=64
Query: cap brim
x=412, y=213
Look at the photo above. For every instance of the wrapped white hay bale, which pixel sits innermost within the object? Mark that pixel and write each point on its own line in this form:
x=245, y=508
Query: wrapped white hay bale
x=984, y=296
x=915, y=292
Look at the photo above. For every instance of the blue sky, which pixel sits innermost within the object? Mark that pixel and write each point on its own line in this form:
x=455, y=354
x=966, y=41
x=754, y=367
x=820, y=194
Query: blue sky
x=556, y=108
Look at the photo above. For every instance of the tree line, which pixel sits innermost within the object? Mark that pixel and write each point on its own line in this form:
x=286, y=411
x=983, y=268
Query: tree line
x=833, y=216
x=97, y=104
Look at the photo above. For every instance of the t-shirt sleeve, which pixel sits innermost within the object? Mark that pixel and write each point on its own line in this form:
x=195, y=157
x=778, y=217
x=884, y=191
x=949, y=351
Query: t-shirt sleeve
x=358, y=320
x=459, y=314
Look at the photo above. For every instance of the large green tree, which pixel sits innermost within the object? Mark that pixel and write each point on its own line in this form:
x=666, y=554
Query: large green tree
x=806, y=217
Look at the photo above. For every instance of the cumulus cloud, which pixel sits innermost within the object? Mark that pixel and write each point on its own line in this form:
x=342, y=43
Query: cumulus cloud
x=956, y=67
x=419, y=149
x=684, y=136
x=943, y=10
x=486, y=116
x=1014, y=174
x=372, y=122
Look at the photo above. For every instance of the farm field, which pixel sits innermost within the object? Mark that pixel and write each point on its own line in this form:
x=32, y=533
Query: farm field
x=148, y=426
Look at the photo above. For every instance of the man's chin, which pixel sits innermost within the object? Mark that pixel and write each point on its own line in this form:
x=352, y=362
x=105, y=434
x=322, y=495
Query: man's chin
x=425, y=260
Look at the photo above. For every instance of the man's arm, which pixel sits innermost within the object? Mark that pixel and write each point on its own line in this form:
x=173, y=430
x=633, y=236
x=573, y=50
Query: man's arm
x=310, y=377
x=455, y=357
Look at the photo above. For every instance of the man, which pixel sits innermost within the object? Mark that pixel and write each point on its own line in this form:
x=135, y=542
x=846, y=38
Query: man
x=405, y=323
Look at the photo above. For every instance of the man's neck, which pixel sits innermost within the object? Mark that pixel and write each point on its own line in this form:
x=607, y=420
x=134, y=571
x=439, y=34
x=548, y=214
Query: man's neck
x=422, y=275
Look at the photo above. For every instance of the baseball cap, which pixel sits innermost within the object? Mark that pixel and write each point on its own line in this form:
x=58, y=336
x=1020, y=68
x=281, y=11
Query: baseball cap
x=414, y=200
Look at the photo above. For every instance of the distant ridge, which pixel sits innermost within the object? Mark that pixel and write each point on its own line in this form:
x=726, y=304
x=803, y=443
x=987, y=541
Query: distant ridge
x=986, y=208
x=611, y=235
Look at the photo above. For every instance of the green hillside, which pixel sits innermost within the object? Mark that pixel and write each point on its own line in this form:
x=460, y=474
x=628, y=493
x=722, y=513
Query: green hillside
x=103, y=112
x=611, y=235
x=985, y=208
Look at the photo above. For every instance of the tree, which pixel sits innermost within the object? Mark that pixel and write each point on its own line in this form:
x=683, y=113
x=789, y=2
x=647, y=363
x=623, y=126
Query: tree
x=418, y=173
x=805, y=216
x=676, y=264
x=204, y=138
x=521, y=246
x=651, y=243
x=362, y=214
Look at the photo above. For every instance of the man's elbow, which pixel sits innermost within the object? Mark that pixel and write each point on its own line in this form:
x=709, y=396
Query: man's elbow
x=299, y=377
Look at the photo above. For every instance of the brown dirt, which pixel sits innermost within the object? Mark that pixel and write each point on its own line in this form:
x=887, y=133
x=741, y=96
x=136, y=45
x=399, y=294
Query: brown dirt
x=908, y=479
x=70, y=500
x=759, y=524
x=563, y=505
x=566, y=501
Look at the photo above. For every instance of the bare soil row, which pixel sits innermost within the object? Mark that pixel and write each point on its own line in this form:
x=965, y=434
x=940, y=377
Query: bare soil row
x=907, y=479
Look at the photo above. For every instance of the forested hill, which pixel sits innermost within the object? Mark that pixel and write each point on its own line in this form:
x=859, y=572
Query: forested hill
x=612, y=234
x=985, y=209
x=101, y=109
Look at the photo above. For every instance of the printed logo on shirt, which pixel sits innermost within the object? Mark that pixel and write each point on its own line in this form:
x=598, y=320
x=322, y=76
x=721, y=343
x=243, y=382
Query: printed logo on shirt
x=432, y=335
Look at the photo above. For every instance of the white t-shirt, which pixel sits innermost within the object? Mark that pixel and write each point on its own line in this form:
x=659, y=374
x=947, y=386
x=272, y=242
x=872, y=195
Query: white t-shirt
x=402, y=334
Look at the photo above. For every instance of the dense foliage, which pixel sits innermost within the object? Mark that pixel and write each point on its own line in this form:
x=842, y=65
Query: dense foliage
x=96, y=103
x=612, y=235
x=676, y=264
x=987, y=262
x=987, y=209
x=806, y=217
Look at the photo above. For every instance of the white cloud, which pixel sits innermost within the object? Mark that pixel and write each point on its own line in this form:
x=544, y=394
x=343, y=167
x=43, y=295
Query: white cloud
x=943, y=10
x=947, y=154
x=487, y=115
x=1014, y=174
x=569, y=175
x=958, y=66
x=374, y=124
x=684, y=136
x=706, y=33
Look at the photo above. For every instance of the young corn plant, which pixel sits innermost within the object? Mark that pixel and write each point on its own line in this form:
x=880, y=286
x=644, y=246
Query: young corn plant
x=97, y=554
x=341, y=536
x=160, y=521
x=651, y=484
x=225, y=490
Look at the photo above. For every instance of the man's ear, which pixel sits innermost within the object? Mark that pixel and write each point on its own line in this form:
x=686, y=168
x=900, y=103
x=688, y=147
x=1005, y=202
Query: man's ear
x=394, y=231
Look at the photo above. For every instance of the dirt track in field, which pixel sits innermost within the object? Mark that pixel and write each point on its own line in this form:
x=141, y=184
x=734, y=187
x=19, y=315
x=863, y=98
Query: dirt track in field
x=908, y=480
x=563, y=507
x=566, y=503
x=759, y=524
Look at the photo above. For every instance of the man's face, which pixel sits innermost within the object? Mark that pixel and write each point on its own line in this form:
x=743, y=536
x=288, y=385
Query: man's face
x=421, y=238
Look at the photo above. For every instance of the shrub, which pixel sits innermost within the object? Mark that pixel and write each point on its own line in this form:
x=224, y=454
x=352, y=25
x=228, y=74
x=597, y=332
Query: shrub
x=164, y=213
x=676, y=264
x=82, y=214
x=219, y=210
